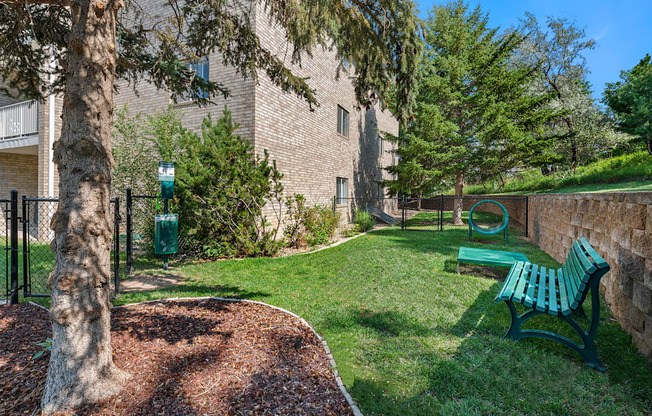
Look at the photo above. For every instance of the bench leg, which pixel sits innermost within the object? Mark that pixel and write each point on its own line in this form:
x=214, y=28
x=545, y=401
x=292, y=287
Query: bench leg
x=588, y=351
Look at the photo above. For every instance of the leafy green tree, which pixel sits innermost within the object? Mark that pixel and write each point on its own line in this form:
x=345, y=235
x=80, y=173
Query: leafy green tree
x=631, y=101
x=474, y=109
x=139, y=144
x=85, y=45
x=583, y=131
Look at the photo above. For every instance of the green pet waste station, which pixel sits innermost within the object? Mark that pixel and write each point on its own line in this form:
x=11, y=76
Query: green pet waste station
x=166, y=231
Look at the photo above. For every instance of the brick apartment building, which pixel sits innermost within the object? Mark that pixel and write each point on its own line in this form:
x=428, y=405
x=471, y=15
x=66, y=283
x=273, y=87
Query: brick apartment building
x=333, y=150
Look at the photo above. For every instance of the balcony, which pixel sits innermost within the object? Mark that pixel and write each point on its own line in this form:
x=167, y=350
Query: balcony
x=19, y=125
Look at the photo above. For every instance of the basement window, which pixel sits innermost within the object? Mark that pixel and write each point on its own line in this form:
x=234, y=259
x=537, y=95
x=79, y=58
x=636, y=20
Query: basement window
x=341, y=191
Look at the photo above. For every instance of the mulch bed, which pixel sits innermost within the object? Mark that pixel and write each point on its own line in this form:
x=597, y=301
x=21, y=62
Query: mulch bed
x=199, y=357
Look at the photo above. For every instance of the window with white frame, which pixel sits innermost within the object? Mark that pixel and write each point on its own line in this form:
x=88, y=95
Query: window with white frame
x=342, y=121
x=341, y=191
x=201, y=69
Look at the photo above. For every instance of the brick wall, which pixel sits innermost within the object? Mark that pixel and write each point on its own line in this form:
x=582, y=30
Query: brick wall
x=18, y=172
x=306, y=145
x=619, y=226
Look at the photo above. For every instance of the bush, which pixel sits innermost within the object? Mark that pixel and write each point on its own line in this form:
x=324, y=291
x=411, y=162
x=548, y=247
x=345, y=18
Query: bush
x=222, y=188
x=309, y=225
x=363, y=220
x=321, y=223
x=220, y=185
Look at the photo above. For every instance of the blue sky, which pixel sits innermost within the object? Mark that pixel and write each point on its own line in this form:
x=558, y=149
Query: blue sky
x=622, y=28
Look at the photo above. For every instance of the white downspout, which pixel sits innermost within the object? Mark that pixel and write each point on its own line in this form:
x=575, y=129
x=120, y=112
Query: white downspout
x=51, y=111
x=51, y=115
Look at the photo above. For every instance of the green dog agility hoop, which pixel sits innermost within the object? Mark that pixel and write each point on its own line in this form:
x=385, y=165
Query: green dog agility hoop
x=490, y=230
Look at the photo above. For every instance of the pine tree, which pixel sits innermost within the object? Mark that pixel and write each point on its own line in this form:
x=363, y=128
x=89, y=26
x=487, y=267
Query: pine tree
x=474, y=110
x=77, y=41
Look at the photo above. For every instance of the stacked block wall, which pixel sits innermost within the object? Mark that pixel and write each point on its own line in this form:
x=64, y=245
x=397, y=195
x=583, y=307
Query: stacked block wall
x=619, y=226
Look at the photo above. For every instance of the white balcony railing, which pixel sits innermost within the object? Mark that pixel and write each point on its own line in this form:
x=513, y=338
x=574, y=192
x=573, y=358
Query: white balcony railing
x=19, y=120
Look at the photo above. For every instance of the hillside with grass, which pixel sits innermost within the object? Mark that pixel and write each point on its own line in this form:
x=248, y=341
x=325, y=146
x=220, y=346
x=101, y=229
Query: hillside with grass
x=632, y=172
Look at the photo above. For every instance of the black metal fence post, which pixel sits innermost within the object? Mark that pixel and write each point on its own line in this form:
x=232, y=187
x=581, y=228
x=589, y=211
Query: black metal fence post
x=403, y=215
x=129, y=248
x=116, y=246
x=14, y=247
x=441, y=212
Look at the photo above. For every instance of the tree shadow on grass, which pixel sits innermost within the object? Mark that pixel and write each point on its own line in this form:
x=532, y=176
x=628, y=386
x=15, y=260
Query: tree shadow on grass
x=192, y=291
x=466, y=368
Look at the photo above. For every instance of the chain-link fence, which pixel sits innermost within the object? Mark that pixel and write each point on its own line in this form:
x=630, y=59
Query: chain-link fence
x=438, y=213
x=4, y=246
x=38, y=257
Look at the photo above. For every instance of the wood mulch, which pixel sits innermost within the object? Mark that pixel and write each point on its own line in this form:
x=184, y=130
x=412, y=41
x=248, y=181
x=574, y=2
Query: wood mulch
x=185, y=357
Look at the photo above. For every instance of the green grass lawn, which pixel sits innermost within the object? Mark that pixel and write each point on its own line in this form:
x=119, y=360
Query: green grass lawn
x=631, y=172
x=412, y=337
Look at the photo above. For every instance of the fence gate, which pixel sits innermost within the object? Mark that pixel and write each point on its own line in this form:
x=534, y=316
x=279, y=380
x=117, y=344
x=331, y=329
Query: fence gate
x=422, y=214
x=38, y=257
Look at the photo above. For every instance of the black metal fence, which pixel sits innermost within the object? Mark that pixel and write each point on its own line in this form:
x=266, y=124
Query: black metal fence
x=436, y=213
x=38, y=259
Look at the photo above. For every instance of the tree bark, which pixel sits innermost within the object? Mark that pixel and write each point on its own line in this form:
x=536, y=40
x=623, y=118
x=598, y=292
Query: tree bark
x=458, y=204
x=81, y=365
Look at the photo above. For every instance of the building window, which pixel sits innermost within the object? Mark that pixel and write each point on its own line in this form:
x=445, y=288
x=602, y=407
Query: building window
x=381, y=191
x=380, y=145
x=201, y=70
x=342, y=121
x=341, y=191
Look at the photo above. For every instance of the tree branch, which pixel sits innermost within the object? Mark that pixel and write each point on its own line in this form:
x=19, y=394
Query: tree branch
x=62, y=3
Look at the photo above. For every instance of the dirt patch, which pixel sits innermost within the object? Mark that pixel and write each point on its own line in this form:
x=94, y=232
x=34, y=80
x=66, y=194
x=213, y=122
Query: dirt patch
x=149, y=282
x=492, y=272
x=205, y=357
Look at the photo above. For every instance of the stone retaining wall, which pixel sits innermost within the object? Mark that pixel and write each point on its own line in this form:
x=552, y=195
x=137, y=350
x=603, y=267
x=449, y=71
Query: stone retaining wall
x=619, y=226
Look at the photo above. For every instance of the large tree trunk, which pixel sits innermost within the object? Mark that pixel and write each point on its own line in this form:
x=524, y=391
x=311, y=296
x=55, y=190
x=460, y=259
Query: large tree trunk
x=458, y=202
x=81, y=365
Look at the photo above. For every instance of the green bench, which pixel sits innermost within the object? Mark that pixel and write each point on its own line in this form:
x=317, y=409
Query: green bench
x=488, y=257
x=559, y=293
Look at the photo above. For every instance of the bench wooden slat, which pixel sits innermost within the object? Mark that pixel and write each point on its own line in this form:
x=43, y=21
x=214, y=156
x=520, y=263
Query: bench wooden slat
x=510, y=281
x=563, y=296
x=583, y=258
x=571, y=287
x=581, y=276
x=552, y=292
x=597, y=259
x=531, y=285
x=541, y=290
x=522, y=280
